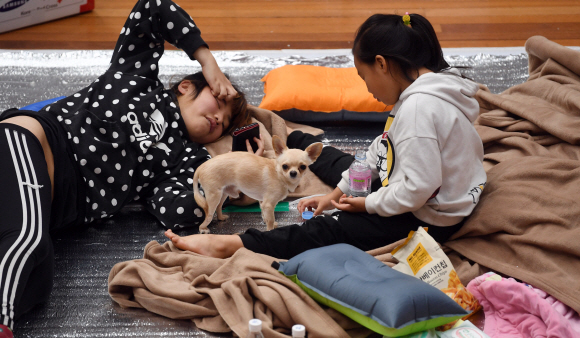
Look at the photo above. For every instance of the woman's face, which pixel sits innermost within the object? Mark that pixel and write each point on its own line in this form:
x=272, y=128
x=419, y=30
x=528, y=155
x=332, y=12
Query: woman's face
x=380, y=80
x=205, y=117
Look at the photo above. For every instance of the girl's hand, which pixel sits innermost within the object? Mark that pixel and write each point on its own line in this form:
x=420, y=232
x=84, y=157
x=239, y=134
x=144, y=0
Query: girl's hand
x=309, y=203
x=319, y=203
x=350, y=204
x=259, y=142
x=219, y=84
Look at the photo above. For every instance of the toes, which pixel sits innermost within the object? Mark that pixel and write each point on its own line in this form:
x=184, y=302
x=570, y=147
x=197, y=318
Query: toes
x=179, y=242
x=175, y=239
x=169, y=234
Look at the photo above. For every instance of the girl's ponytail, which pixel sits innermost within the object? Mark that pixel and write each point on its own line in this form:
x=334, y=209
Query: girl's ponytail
x=410, y=46
x=424, y=28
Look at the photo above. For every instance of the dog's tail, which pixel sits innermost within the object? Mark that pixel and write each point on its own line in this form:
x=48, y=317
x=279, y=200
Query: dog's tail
x=199, y=199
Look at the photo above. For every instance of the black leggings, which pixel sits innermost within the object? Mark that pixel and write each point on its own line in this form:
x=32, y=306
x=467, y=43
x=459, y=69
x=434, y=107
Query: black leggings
x=362, y=230
x=26, y=252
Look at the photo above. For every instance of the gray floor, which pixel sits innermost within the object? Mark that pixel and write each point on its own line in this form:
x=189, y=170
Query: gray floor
x=80, y=305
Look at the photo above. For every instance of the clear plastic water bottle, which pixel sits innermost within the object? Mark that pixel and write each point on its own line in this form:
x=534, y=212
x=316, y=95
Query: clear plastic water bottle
x=298, y=331
x=359, y=174
x=255, y=329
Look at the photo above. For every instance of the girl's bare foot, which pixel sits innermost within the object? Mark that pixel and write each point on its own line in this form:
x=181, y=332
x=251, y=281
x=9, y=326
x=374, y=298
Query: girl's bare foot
x=218, y=246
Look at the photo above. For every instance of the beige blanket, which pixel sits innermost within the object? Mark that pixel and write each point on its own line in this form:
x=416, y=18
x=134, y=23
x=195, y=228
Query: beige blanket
x=527, y=223
x=272, y=124
x=222, y=295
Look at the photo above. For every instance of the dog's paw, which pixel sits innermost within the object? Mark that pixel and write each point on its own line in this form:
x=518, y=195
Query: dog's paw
x=223, y=218
x=204, y=231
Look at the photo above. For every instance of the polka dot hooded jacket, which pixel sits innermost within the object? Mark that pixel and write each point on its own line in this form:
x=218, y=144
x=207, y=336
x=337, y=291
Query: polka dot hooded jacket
x=126, y=130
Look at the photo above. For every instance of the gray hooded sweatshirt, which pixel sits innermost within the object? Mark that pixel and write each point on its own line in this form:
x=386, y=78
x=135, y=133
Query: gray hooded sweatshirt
x=429, y=158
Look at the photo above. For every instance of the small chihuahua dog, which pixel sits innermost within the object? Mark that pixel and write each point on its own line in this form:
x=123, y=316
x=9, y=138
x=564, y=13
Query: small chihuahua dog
x=263, y=179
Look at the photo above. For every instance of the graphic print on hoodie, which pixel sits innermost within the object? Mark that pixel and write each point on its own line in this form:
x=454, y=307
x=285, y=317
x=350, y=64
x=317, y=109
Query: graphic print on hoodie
x=386, y=154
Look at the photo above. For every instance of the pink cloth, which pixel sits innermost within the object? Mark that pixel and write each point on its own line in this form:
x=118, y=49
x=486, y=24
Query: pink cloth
x=514, y=310
x=563, y=309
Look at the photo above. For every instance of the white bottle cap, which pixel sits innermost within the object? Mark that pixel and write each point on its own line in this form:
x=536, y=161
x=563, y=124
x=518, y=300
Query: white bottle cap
x=298, y=331
x=255, y=325
x=360, y=154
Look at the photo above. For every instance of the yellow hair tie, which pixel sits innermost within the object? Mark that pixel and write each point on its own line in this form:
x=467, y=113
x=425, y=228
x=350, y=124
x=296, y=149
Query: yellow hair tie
x=407, y=19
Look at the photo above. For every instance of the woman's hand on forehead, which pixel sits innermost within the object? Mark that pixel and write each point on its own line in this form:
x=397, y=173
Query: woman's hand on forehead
x=221, y=87
x=219, y=84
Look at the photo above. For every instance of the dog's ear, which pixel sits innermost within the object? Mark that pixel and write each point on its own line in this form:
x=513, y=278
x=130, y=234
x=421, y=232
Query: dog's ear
x=278, y=145
x=314, y=150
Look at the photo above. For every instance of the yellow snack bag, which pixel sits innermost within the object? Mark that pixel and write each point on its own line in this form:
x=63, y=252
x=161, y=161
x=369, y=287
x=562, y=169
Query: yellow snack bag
x=422, y=257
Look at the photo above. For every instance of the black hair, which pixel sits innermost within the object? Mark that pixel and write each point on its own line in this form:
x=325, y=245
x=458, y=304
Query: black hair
x=240, y=112
x=410, y=47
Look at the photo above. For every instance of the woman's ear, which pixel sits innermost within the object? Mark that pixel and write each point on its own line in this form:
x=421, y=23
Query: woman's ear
x=185, y=87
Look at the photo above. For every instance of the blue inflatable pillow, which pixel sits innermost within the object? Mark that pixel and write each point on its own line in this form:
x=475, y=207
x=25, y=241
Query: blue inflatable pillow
x=366, y=290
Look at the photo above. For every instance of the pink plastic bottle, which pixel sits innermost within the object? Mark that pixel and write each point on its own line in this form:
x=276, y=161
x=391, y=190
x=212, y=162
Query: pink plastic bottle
x=359, y=175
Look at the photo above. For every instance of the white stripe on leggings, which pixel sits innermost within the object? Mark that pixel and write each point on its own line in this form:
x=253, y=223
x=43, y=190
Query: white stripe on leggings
x=31, y=189
x=8, y=320
x=22, y=232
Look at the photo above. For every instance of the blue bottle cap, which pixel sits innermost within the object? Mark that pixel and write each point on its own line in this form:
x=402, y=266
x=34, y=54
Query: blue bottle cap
x=307, y=214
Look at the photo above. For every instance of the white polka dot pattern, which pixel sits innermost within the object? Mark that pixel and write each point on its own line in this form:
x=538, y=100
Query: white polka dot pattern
x=127, y=134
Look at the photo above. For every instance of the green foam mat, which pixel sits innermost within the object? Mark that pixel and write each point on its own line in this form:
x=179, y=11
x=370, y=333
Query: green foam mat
x=280, y=207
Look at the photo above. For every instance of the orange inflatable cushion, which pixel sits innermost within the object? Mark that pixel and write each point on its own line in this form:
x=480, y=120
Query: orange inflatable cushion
x=318, y=88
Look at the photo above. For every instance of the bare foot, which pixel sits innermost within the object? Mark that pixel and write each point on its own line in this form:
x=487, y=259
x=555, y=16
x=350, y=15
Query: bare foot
x=218, y=246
